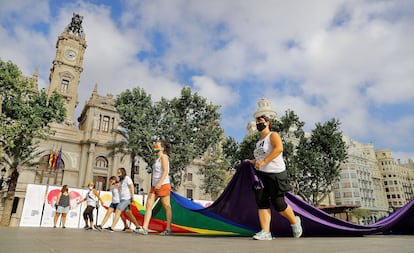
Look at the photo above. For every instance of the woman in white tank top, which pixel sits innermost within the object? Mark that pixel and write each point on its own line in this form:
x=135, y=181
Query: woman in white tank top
x=160, y=187
x=270, y=168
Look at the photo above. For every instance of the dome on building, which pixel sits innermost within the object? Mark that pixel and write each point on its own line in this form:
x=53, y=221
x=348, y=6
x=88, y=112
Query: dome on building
x=263, y=108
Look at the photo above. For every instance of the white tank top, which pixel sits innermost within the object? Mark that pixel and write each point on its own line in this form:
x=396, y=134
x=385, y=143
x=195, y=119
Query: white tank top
x=263, y=149
x=91, y=198
x=115, y=194
x=157, y=172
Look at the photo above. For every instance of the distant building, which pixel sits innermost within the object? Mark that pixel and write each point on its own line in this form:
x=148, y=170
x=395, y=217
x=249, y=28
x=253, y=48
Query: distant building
x=398, y=179
x=361, y=182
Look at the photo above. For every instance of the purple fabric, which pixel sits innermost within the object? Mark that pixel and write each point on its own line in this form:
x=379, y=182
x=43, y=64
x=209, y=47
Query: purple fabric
x=256, y=182
x=237, y=203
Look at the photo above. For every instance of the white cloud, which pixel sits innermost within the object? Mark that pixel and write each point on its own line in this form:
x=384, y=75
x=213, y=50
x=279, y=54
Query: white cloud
x=217, y=94
x=323, y=59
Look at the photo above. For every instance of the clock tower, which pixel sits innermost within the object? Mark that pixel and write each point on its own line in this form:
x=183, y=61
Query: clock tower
x=67, y=66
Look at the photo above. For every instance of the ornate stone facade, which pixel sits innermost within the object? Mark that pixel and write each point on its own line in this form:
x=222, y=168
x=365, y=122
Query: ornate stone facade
x=84, y=153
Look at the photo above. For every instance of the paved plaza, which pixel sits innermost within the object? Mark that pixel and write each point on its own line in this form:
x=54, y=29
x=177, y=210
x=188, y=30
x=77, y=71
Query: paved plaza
x=77, y=240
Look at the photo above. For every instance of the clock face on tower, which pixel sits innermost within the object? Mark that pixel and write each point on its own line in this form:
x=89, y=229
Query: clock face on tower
x=70, y=54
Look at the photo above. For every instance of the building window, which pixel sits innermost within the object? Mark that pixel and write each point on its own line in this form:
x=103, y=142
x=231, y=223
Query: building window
x=105, y=124
x=345, y=175
x=64, y=86
x=189, y=177
x=347, y=194
x=101, y=162
x=189, y=194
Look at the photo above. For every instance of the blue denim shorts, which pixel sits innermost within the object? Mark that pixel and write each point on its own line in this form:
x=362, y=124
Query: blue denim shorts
x=113, y=205
x=123, y=205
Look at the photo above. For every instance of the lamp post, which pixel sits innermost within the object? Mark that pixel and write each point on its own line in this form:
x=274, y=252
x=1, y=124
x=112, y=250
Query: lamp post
x=3, y=181
x=143, y=195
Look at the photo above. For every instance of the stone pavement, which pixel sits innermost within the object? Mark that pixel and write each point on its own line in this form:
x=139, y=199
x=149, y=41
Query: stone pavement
x=29, y=240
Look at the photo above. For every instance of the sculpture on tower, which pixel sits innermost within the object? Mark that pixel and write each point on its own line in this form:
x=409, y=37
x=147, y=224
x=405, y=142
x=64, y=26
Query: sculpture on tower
x=75, y=26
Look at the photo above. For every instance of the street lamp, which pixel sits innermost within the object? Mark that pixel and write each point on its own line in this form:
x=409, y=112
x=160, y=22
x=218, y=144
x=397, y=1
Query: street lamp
x=3, y=181
x=143, y=195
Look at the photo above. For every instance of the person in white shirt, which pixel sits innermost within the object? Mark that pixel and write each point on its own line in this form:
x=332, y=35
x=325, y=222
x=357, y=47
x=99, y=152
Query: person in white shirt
x=160, y=187
x=270, y=168
x=126, y=196
x=92, y=197
x=114, y=188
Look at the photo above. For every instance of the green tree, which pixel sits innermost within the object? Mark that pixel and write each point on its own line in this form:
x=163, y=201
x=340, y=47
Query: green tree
x=138, y=126
x=188, y=122
x=290, y=128
x=230, y=149
x=214, y=171
x=25, y=115
x=318, y=159
x=247, y=146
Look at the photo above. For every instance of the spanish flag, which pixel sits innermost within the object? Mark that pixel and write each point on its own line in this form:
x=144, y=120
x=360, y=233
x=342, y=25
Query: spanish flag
x=55, y=158
x=51, y=156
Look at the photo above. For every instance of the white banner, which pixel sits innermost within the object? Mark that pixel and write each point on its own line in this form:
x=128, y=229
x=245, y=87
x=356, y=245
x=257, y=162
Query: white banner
x=33, y=205
x=39, y=208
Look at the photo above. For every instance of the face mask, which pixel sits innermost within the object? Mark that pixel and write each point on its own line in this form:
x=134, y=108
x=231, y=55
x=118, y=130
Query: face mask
x=120, y=176
x=90, y=187
x=156, y=149
x=260, y=126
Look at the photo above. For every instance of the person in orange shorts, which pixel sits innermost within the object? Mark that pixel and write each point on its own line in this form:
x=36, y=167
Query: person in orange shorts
x=161, y=187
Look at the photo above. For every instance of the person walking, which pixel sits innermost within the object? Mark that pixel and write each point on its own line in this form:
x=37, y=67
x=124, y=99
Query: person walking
x=92, y=197
x=160, y=187
x=62, y=206
x=126, y=195
x=271, y=169
x=114, y=188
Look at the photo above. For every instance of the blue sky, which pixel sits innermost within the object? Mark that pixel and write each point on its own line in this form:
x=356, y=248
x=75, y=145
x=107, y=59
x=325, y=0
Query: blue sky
x=323, y=59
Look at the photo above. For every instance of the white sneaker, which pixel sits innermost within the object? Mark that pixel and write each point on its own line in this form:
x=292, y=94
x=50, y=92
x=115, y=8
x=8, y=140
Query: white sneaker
x=297, y=228
x=142, y=231
x=263, y=236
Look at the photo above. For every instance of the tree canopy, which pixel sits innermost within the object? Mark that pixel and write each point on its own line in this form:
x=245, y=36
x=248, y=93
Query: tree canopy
x=188, y=122
x=25, y=116
x=318, y=161
x=214, y=171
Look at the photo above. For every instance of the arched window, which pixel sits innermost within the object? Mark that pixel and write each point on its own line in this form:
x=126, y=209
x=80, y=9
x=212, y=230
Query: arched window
x=64, y=86
x=101, y=162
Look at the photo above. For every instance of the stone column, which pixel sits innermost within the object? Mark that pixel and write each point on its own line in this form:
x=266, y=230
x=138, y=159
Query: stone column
x=89, y=163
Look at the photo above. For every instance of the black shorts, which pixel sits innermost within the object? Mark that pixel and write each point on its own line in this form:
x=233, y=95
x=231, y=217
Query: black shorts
x=274, y=185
